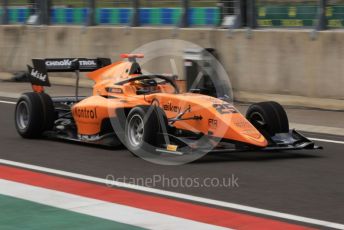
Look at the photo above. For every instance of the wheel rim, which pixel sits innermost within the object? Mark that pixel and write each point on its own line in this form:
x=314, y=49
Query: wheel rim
x=257, y=118
x=22, y=115
x=135, y=130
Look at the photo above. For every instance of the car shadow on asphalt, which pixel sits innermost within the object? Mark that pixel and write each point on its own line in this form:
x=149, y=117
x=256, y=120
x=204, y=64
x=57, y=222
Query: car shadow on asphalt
x=212, y=157
x=254, y=156
x=85, y=144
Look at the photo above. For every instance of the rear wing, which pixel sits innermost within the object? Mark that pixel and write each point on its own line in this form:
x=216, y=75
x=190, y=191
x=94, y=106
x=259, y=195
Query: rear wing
x=38, y=74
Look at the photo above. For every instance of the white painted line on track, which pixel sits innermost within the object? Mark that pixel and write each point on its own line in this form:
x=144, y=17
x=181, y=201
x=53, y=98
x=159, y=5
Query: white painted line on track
x=318, y=129
x=98, y=208
x=223, y=204
x=8, y=102
x=325, y=140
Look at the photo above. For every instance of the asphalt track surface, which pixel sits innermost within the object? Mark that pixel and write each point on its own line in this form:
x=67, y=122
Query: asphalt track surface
x=304, y=183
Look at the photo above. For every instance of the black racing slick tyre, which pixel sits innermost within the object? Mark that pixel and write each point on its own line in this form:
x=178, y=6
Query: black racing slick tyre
x=268, y=117
x=49, y=114
x=34, y=114
x=142, y=127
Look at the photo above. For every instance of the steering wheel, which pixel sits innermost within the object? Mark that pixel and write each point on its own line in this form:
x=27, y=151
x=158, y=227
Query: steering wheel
x=142, y=77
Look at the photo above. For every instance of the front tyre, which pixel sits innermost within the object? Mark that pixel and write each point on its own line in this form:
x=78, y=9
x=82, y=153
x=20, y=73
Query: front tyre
x=268, y=117
x=142, y=127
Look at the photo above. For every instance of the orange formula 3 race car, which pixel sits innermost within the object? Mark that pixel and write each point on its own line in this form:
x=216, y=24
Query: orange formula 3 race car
x=147, y=113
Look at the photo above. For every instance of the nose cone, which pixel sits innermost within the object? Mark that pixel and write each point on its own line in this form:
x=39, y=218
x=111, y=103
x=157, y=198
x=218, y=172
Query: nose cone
x=253, y=137
x=242, y=130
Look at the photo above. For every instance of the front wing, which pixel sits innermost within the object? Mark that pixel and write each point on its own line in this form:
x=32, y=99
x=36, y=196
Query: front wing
x=282, y=141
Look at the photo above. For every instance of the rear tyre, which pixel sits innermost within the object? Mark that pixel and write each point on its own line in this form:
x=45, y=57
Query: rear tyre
x=48, y=111
x=34, y=114
x=142, y=127
x=268, y=117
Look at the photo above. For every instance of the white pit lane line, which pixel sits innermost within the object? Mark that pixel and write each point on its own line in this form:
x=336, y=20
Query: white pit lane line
x=185, y=197
x=101, y=209
x=325, y=140
x=8, y=102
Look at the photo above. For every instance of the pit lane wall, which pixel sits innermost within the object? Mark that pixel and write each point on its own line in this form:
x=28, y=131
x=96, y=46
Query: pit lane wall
x=286, y=62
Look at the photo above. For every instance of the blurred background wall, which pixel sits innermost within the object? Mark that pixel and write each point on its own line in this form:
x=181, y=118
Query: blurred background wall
x=269, y=61
x=287, y=47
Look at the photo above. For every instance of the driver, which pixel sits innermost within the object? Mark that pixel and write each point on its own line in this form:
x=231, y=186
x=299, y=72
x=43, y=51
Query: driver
x=149, y=85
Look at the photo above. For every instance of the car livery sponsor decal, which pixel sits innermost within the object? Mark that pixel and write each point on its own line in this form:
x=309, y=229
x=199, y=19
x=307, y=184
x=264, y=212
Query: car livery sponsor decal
x=225, y=108
x=252, y=133
x=212, y=123
x=68, y=64
x=87, y=113
x=38, y=76
x=243, y=124
x=172, y=108
x=65, y=62
x=87, y=63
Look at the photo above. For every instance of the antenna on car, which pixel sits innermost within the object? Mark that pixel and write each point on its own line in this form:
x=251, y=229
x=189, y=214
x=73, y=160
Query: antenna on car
x=132, y=57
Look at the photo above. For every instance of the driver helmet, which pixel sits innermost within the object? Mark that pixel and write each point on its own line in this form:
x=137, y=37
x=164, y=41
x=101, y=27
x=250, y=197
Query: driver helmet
x=148, y=84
